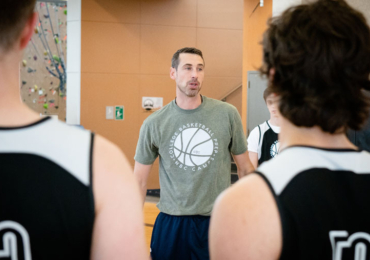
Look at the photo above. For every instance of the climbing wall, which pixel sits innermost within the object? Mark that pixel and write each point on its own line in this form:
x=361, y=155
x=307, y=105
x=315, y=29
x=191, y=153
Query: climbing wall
x=43, y=68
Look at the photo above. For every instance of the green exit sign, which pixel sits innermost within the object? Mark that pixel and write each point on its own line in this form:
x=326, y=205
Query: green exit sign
x=119, y=113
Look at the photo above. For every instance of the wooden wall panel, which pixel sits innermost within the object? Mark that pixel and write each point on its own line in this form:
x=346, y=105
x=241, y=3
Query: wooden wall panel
x=110, y=47
x=114, y=11
x=235, y=100
x=222, y=50
x=220, y=14
x=159, y=43
x=158, y=86
x=218, y=87
x=101, y=90
x=169, y=13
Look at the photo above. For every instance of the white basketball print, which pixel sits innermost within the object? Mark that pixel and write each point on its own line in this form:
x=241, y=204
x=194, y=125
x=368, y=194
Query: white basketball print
x=274, y=150
x=193, y=147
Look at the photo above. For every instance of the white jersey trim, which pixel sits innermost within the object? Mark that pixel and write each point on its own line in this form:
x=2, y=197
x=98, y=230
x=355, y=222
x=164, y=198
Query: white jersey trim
x=66, y=146
x=294, y=160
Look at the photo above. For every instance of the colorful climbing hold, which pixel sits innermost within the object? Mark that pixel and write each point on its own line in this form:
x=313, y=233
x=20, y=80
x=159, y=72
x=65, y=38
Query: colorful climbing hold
x=65, y=12
x=24, y=63
x=56, y=58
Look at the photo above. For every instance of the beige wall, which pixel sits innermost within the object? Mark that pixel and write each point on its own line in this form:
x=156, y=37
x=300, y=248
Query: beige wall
x=127, y=47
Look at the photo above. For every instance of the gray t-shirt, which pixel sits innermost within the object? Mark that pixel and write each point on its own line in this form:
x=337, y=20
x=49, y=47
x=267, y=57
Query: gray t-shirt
x=194, y=153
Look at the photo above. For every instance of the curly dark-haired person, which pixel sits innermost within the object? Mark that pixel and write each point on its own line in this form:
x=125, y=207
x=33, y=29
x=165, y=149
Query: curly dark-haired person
x=312, y=201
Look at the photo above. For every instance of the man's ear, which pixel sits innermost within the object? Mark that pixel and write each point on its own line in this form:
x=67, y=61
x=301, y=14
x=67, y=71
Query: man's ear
x=173, y=73
x=28, y=31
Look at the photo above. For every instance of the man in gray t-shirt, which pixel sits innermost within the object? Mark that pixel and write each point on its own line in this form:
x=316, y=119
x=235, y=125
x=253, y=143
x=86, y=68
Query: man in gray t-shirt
x=193, y=137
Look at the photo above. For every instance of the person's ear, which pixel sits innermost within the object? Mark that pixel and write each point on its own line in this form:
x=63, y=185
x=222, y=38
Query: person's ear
x=28, y=31
x=173, y=73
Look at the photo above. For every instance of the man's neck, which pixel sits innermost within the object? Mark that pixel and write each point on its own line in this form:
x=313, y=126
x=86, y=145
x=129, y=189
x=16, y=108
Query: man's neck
x=274, y=121
x=188, y=103
x=12, y=111
x=291, y=135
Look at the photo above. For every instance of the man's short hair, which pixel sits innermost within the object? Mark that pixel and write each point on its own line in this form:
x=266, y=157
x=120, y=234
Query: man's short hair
x=176, y=57
x=13, y=16
x=321, y=56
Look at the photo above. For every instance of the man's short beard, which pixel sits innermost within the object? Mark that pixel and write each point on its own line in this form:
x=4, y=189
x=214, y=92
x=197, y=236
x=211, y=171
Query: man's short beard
x=191, y=94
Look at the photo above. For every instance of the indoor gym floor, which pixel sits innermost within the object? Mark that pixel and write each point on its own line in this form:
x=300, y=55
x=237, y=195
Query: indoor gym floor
x=150, y=214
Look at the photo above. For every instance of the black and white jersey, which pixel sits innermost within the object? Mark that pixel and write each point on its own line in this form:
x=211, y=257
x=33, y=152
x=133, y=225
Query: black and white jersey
x=46, y=198
x=264, y=141
x=323, y=197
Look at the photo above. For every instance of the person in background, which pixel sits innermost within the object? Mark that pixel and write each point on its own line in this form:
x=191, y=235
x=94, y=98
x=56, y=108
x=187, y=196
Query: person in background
x=65, y=193
x=193, y=136
x=312, y=201
x=263, y=142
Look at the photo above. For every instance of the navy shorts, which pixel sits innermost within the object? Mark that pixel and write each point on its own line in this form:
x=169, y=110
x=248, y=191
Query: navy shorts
x=180, y=238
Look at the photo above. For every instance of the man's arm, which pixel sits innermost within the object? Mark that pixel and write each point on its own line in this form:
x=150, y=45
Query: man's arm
x=243, y=164
x=141, y=172
x=245, y=223
x=254, y=158
x=119, y=225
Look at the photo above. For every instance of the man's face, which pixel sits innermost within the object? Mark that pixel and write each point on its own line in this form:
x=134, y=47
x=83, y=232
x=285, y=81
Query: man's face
x=189, y=74
x=272, y=102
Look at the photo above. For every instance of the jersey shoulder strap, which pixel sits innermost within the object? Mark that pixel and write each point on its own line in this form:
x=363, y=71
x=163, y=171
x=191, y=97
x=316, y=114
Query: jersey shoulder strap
x=259, y=137
x=268, y=124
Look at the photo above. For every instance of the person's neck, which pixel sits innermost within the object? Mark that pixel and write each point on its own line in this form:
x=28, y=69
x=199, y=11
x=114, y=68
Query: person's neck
x=291, y=135
x=12, y=111
x=188, y=103
x=274, y=121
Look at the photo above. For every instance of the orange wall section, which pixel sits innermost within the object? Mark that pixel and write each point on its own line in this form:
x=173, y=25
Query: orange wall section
x=254, y=26
x=126, y=51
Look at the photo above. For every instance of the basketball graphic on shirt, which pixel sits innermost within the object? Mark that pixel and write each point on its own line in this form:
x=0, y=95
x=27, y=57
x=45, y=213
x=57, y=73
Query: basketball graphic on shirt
x=193, y=147
x=274, y=149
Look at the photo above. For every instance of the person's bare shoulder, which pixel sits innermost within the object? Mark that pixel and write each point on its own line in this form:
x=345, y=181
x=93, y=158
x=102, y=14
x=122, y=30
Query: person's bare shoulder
x=245, y=222
x=119, y=224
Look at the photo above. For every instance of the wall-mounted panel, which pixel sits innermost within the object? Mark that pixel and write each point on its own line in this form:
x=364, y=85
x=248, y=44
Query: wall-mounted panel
x=220, y=14
x=127, y=11
x=110, y=47
x=159, y=43
x=169, y=12
x=222, y=51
